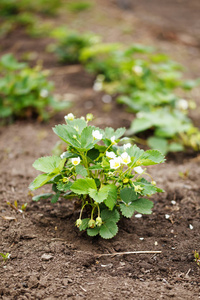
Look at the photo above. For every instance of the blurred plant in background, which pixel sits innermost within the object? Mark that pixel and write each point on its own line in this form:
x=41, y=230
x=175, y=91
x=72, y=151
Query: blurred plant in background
x=148, y=83
x=25, y=92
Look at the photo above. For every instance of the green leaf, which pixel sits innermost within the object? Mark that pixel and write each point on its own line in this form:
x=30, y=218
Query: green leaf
x=158, y=143
x=64, y=187
x=81, y=170
x=8, y=61
x=107, y=215
x=66, y=133
x=111, y=200
x=127, y=209
x=143, y=206
x=108, y=230
x=96, y=167
x=48, y=164
x=148, y=188
x=99, y=196
x=151, y=157
x=93, y=153
x=135, y=152
x=93, y=231
x=139, y=125
x=40, y=180
x=84, y=224
x=78, y=124
x=128, y=195
x=55, y=197
x=175, y=147
x=83, y=185
x=42, y=196
x=87, y=140
x=109, y=132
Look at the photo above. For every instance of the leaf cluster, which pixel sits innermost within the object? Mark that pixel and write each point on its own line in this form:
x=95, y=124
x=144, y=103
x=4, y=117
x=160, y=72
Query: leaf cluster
x=146, y=82
x=85, y=171
x=25, y=91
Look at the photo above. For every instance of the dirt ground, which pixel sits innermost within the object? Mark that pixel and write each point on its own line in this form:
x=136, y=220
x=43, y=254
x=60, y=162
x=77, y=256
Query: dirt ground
x=50, y=258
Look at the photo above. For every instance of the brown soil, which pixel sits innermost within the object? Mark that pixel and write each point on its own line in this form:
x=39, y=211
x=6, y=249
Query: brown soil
x=50, y=259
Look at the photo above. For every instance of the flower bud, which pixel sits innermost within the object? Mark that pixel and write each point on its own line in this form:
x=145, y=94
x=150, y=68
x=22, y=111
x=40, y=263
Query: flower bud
x=91, y=223
x=65, y=179
x=89, y=117
x=125, y=180
x=99, y=221
x=78, y=222
x=153, y=182
x=138, y=188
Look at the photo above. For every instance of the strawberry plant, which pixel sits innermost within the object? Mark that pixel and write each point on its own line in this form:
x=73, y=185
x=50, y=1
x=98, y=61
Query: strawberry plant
x=24, y=13
x=145, y=82
x=25, y=91
x=105, y=175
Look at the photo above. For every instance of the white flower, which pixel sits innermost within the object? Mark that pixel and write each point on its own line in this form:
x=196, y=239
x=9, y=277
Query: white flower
x=138, y=170
x=97, y=135
x=110, y=154
x=62, y=155
x=115, y=163
x=182, y=104
x=138, y=70
x=69, y=117
x=126, y=146
x=76, y=161
x=113, y=139
x=125, y=158
x=44, y=93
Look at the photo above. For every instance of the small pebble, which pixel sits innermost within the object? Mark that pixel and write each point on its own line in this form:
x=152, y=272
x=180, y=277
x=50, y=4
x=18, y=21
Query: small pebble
x=106, y=99
x=138, y=216
x=191, y=227
x=141, y=238
x=46, y=257
x=156, y=243
x=173, y=202
x=167, y=216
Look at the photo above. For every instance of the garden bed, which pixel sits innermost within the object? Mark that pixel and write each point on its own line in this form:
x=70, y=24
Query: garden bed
x=50, y=258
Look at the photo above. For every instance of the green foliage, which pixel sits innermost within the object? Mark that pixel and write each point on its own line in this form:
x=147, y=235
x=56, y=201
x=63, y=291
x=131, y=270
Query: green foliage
x=15, y=7
x=197, y=257
x=106, y=180
x=25, y=13
x=146, y=82
x=5, y=256
x=25, y=91
x=78, y=6
x=70, y=44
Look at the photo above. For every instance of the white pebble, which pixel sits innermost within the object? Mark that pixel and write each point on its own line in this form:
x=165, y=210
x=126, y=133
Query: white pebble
x=156, y=243
x=138, y=216
x=191, y=227
x=173, y=202
x=141, y=239
x=106, y=98
x=167, y=216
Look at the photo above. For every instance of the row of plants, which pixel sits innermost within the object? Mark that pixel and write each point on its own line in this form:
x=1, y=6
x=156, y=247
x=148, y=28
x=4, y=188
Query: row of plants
x=149, y=84
x=30, y=14
x=25, y=92
x=104, y=173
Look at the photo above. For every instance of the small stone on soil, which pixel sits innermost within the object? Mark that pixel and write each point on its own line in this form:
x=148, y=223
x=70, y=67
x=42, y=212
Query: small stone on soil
x=46, y=257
